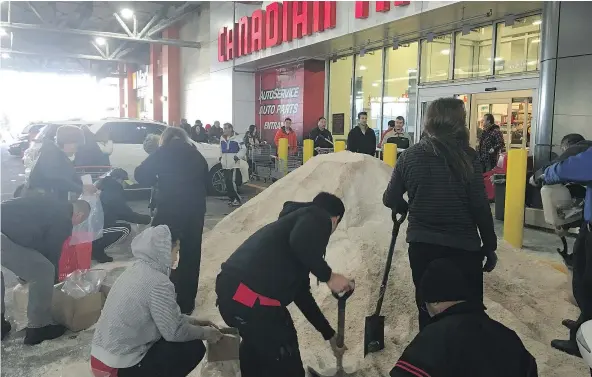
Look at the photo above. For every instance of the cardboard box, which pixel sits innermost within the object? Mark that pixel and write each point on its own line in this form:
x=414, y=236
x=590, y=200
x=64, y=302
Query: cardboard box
x=227, y=348
x=76, y=314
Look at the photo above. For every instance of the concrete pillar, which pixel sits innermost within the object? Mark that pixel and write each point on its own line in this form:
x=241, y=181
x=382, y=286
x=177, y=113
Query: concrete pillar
x=171, y=78
x=131, y=99
x=155, y=81
x=121, y=87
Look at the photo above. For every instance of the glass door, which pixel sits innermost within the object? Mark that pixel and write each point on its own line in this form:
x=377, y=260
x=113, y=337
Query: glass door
x=498, y=108
x=521, y=122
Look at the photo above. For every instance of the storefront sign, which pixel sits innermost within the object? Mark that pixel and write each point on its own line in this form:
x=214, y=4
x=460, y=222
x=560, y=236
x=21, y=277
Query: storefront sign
x=363, y=7
x=274, y=25
x=140, y=79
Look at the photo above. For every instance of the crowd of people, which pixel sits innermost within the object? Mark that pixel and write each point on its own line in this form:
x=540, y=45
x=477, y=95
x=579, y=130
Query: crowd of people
x=146, y=327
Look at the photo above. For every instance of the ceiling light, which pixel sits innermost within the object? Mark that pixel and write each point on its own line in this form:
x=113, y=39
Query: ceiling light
x=362, y=68
x=535, y=41
x=537, y=22
x=100, y=41
x=445, y=52
x=412, y=70
x=374, y=84
x=3, y=32
x=5, y=55
x=127, y=13
x=532, y=62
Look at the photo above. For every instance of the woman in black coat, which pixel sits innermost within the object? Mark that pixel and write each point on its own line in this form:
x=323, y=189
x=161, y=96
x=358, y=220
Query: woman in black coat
x=181, y=174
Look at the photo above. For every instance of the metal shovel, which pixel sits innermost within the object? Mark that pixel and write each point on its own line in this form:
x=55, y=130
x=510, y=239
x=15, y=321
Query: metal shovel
x=374, y=326
x=339, y=371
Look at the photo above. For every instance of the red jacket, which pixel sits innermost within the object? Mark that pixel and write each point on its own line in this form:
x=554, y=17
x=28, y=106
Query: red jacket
x=291, y=136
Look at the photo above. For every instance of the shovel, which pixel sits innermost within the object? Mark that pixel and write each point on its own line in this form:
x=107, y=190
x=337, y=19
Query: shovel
x=339, y=371
x=374, y=327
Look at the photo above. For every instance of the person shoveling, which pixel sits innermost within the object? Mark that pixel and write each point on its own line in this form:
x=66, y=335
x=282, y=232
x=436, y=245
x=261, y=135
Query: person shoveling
x=269, y=271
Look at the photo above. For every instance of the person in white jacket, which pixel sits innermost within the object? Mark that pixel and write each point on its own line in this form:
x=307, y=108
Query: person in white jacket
x=141, y=331
x=233, y=151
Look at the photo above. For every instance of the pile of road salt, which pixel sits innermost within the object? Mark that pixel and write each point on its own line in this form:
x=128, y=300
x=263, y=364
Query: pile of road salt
x=525, y=295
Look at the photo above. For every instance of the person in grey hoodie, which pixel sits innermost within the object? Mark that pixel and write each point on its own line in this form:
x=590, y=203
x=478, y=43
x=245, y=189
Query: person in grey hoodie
x=141, y=331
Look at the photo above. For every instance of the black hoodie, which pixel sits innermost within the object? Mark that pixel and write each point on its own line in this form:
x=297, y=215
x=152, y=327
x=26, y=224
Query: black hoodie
x=115, y=207
x=276, y=261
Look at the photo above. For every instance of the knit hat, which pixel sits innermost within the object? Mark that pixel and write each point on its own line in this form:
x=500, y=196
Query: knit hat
x=69, y=135
x=443, y=281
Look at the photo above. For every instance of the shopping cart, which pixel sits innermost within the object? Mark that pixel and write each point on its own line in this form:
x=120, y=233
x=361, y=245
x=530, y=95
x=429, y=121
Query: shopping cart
x=323, y=151
x=283, y=167
x=261, y=162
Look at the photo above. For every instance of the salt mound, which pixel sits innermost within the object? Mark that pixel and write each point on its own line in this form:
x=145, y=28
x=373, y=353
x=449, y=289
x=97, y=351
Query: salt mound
x=525, y=295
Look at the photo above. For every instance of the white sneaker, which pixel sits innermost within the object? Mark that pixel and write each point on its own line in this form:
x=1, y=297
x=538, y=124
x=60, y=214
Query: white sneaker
x=235, y=203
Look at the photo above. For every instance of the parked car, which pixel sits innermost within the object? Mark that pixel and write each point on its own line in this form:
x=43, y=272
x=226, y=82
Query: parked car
x=22, y=140
x=128, y=136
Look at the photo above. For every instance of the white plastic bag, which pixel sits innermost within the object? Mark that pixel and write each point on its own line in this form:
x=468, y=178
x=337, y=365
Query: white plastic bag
x=92, y=228
x=218, y=369
x=17, y=310
x=82, y=283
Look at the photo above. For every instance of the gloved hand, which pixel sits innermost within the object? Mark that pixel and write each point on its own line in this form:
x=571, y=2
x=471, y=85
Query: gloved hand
x=212, y=334
x=490, y=261
x=336, y=350
x=236, y=159
x=537, y=181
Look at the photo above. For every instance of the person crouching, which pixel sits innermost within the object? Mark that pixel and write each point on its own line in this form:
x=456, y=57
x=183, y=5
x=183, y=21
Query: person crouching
x=141, y=331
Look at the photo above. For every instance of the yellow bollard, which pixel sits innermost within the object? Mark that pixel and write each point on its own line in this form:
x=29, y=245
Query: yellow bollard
x=389, y=154
x=515, y=196
x=283, y=156
x=308, y=150
x=339, y=146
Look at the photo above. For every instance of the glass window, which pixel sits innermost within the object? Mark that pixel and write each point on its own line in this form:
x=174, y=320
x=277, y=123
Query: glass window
x=368, y=88
x=472, y=53
x=400, y=85
x=435, y=59
x=340, y=96
x=517, y=46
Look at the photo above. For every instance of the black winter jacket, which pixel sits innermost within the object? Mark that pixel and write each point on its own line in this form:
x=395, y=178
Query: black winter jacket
x=320, y=138
x=40, y=223
x=464, y=342
x=276, y=261
x=201, y=137
x=360, y=142
x=90, y=154
x=114, y=205
x=54, y=173
x=442, y=210
x=182, y=175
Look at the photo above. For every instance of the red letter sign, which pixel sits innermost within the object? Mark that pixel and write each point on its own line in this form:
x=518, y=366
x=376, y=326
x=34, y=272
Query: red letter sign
x=231, y=42
x=244, y=36
x=287, y=21
x=330, y=10
x=258, y=30
x=383, y=6
x=401, y=3
x=222, y=45
x=318, y=16
x=362, y=8
x=301, y=16
x=273, y=25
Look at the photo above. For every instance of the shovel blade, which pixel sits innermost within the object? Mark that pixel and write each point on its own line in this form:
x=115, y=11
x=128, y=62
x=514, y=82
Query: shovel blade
x=373, y=334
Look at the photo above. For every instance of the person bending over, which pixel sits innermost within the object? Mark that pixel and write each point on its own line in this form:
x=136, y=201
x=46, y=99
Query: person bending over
x=449, y=215
x=116, y=211
x=269, y=271
x=461, y=339
x=34, y=230
x=141, y=331
x=577, y=168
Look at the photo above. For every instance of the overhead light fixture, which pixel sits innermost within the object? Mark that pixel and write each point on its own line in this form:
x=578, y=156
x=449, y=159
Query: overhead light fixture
x=509, y=19
x=466, y=30
x=532, y=62
x=3, y=32
x=445, y=52
x=127, y=13
x=395, y=43
x=362, y=52
x=362, y=68
x=430, y=37
x=412, y=70
x=535, y=41
x=537, y=22
x=374, y=84
x=5, y=55
x=100, y=41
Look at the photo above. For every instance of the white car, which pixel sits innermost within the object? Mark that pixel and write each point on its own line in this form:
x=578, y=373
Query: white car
x=128, y=136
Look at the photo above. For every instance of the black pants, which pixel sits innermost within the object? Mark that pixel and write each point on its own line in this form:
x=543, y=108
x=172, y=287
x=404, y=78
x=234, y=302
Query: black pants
x=186, y=276
x=469, y=262
x=110, y=236
x=581, y=289
x=167, y=359
x=269, y=346
x=230, y=177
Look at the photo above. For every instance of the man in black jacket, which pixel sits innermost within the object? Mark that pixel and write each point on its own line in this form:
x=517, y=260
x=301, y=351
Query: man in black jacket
x=269, y=271
x=33, y=232
x=115, y=211
x=321, y=136
x=461, y=339
x=362, y=138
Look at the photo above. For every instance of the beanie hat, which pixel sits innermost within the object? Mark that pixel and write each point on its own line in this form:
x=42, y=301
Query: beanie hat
x=69, y=135
x=443, y=281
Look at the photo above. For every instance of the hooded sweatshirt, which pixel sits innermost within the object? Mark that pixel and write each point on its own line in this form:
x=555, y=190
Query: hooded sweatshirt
x=141, y=307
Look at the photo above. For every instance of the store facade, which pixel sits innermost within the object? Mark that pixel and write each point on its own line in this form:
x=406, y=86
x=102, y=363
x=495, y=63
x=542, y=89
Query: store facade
x=386, y=58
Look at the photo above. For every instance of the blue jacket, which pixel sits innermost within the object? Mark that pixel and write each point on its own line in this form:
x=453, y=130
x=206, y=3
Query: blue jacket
x=577, y=168
x=231, y=147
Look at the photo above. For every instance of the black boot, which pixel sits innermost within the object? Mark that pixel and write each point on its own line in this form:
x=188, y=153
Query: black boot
x=38, y=335
x=570, y=324
x=567, y=346
x=6, y=327
x=100, y=256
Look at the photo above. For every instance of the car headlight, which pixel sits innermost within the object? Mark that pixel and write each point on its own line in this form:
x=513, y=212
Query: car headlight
x=581, y=340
